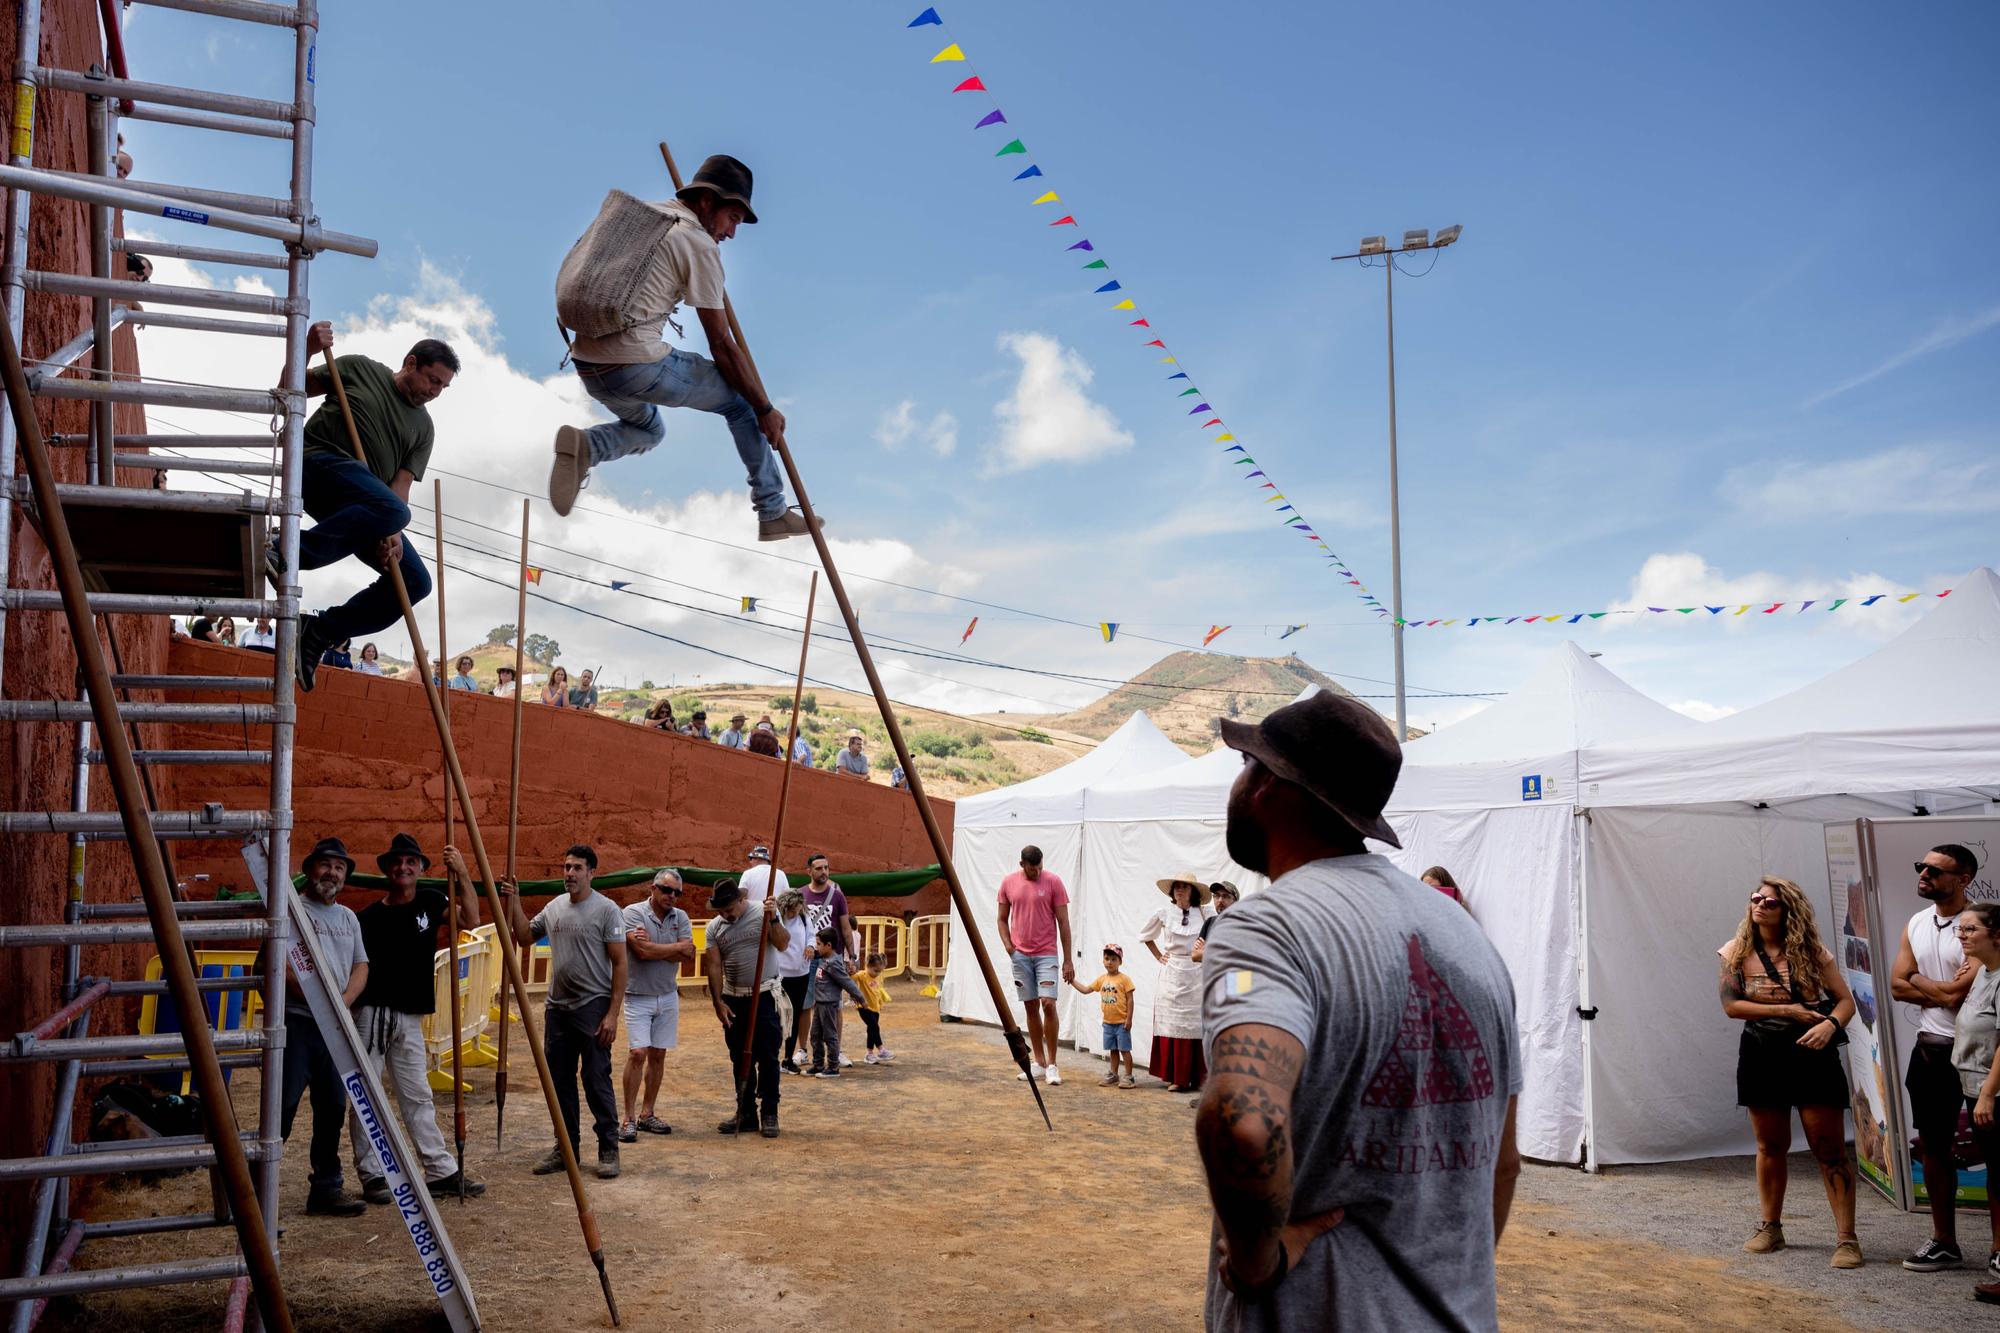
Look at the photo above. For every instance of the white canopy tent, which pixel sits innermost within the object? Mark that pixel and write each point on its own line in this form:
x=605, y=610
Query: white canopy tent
x=1493, y=799
x=1681, y=826
x=990, y=829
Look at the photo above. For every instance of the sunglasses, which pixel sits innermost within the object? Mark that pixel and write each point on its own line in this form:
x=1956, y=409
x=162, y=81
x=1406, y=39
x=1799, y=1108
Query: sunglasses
x=1765, y=900
x=664, y=889
x=1925, y=870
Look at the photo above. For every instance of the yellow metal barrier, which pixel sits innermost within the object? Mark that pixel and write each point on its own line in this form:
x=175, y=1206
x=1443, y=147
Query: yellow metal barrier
x=888, y=936
x=930, y=949
x=478, y=986
x=228, y=1011
x=691, y=973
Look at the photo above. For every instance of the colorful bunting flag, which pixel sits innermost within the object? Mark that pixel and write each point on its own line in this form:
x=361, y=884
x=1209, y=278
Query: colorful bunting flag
x=1290, y=630
x=968, y=631
x=533, y=574
x=1214, y=632
x=1109, y=629
x=1015, y=147
x=994, y=117
x=1800, y=605
x=949, y=53
x=928, y=16
x=1031, y=171
x=971, y=85
x=1048, y=198
x=616, y=586
x=749, y=604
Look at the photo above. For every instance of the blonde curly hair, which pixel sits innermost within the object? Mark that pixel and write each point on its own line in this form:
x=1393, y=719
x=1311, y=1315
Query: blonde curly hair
x=1800, y=946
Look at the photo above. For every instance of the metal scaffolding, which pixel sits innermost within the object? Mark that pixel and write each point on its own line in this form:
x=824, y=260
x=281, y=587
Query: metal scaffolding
x=146, y=552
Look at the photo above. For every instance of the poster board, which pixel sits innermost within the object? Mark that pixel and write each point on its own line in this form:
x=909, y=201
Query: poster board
x=1888, y=850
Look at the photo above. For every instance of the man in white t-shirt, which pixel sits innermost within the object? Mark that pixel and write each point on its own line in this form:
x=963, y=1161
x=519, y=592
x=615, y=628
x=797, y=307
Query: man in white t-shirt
x=634, y=373
x=1932, y=972
x=756, y=881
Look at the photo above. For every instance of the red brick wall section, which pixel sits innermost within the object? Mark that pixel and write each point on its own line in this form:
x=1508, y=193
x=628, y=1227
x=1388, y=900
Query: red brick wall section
x=368, y=764
x=40, y=661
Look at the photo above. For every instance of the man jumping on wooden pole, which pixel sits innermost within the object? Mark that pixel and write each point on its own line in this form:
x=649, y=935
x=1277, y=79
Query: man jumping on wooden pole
x=620, y=282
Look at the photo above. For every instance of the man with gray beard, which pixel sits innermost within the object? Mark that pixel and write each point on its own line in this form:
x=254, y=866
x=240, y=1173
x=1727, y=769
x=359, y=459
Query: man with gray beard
x=308, y=1063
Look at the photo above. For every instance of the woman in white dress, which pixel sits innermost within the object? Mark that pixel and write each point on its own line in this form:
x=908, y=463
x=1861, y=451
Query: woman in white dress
x=1171, y=933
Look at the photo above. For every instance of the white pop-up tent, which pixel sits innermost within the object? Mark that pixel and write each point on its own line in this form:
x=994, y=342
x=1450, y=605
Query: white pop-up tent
x=1682, y=826
x=990, y=829
x=1493, y=799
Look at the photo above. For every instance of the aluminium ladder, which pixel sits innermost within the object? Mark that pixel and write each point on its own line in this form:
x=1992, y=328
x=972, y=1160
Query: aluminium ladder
x=150, y=552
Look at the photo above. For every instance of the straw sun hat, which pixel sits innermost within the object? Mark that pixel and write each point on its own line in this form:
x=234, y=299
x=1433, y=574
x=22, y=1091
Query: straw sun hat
x=1198, y=883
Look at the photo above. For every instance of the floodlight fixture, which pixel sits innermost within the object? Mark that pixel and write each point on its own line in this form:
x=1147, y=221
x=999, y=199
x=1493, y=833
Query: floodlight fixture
x=1445, y=236
x=1374, y=245
x=1417, y=240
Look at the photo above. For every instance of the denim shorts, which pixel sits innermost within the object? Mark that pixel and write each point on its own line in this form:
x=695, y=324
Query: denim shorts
x=1118, y=1037
x=1036, y=976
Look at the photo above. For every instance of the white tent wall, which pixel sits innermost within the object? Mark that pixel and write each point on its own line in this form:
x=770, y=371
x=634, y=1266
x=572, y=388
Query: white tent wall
x=1517, y=870
x=1666, y=888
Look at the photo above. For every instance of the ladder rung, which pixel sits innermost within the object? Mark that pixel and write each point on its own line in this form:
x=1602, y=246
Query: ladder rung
x=97, y=190
x=219, y=823
x=83, y=1281
x=205, y=985
x=251, y=684
x=124, y=932
x=188, y=758
x=250, y=11
x=152, y=1226
x=121, y=289
x=172, y=1064
x=230, y=909
x=72, y=710
x=128, y=1048
x=164, y=502
x=255, y=205
x=190, y=441
x=202, y=120
x=143, y=603
x=199, y=254
x=166, y=94
x=160, y=319
x=234, y=467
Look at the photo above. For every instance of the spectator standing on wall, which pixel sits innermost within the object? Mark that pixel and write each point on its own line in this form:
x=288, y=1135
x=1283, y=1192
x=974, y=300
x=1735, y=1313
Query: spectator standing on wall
x=660, y=716
x=339, y=656
x=736, y=736
x=556, y=693
x=764, y=740
x=851, y=760
x=503, y=683
x=584, y=696
x=697, y=726
x=371, y=660
x=464, y=679
x=260, y=636
x=802, y=751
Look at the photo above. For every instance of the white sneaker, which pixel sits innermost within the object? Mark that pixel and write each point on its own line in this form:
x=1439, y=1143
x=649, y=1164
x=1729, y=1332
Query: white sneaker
x=1034, y=1071
x=885, y=1056
x=1055, y=1077
x=870, y=1059
x=845, y=1062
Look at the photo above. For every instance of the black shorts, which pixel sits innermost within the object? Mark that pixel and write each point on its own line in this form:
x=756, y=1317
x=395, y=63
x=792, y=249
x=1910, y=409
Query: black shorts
x=1778, y=1077
x=1935, y=1094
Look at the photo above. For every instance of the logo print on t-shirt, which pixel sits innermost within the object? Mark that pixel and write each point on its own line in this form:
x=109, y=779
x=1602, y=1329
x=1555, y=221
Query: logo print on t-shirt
x=423, y=922
x=1438, y=1056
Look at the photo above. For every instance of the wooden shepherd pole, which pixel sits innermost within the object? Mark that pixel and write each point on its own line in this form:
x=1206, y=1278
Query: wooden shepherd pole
x=513, y=817
x=1015, y=1040
x=450, y=885
x=586, y=1219
x=778, y=836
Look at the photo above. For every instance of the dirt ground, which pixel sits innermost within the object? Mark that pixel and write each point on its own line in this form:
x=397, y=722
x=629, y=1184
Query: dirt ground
x=927, y=1195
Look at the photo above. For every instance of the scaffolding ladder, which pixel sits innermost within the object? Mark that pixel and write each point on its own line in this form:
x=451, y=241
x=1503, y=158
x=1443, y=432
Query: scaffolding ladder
x=142, y=551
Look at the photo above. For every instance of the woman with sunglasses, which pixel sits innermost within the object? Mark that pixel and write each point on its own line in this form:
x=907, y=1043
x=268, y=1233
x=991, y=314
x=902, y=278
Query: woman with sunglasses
x=1795, y=1005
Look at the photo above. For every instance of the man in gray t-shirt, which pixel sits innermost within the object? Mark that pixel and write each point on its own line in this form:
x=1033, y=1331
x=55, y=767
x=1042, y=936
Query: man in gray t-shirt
x=308, y=1063
x=733, y=933
x=586, y=935
x=1357, y=1128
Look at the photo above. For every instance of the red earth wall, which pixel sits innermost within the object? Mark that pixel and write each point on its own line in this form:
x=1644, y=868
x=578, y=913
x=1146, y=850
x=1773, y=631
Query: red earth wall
x=368, y=764
x=40, y=660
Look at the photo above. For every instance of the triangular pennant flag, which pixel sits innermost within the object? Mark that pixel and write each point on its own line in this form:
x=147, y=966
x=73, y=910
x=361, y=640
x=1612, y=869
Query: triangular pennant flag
x=928, y=16
x=1237, y=448
x=616, y=586
x=1082, y=245
x=1206, y=424
x=1200, y=407
x=1909, y=596
x=1066, y=220
x=971, y=85
x=1258, y=473
x=1283, y=508
x=532, y=574
x=1014, y=147
x=1578, y=616
x=1741, y=609
x=1031, y=171
x=1599, y=615
x=748, y=604
x=1185, y=392
x=1657, y=610
x=1870, y=601
x=1290, y=630
x=1214, y=632
x=1097, y=263
x=1108, y=628
x=1838, y=602
x=1178, y=374
x=949, y=53
x=968, y=631
x=1772, y=607
x=1046, y=197
x=994, y=117
x=1143, y=323
x=1224, y=436
x=1685, y=610
x=1715, y=610
x=1170, y=360
x=1110, y=286
x=1945, y=593
x=1803, y=606
x=1156, y=343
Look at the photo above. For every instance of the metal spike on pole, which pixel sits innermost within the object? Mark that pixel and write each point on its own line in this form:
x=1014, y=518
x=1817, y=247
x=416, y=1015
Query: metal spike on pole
x=513, y=817
x=1016, y=1042
x=777, y=839
x=451, y=886
x=586, y=1219
x=218, y=1114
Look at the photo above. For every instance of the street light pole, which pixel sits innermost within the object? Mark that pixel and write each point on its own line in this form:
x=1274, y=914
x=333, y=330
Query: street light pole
x=1374, y=247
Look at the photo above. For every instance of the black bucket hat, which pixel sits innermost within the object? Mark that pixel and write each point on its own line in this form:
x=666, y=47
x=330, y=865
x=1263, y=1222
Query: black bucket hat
x=332, y=849
x=1337, y=748
x=401, y=845
x=727, y=178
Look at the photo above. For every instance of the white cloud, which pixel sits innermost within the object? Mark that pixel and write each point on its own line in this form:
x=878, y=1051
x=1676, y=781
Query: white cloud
x=1947, y=332
x=1049, y=418
x=1906, y=479
x=1701, y=710
x=1683, y=578
x=899, y=425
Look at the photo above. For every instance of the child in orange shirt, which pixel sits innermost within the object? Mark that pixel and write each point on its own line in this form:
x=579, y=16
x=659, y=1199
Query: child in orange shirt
x=1116, y=990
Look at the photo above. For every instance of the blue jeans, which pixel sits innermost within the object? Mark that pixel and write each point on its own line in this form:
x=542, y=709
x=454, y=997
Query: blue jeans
x=352, y=512
x=682, y=380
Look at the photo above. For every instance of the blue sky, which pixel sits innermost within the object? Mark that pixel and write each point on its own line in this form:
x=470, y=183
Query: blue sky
x=1723, y=324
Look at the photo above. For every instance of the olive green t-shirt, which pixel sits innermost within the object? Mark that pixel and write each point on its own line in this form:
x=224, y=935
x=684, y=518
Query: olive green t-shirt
x=395, y=433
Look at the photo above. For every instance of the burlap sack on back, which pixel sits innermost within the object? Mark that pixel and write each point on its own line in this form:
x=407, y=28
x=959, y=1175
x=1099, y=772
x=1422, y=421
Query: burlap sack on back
x=598, y=285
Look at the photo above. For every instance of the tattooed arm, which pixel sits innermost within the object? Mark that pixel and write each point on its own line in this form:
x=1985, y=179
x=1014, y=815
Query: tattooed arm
x=1245, y=1134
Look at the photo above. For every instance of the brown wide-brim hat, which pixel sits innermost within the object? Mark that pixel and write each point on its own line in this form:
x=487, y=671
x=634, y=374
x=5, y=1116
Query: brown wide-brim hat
x=400, y=845
x=725, y=177
x=1338, y=749
x=1193, y=881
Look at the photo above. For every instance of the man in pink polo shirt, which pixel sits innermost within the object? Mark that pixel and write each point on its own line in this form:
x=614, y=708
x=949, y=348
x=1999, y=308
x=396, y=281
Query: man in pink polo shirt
x=1034, y=911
